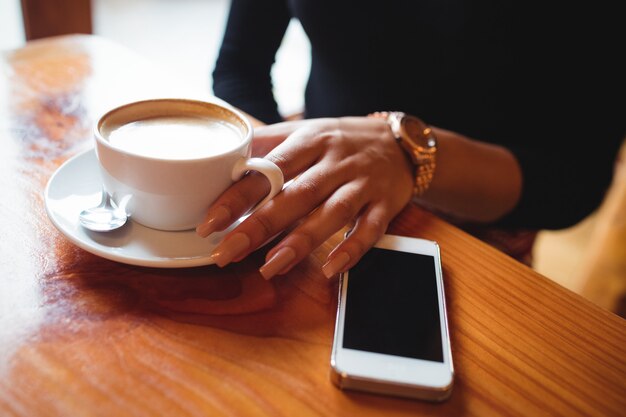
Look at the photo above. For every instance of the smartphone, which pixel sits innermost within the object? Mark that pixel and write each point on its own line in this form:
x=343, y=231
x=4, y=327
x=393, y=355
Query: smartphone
x=391, y=332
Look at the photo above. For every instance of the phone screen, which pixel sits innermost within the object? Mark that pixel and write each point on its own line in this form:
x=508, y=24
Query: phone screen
x=392, y=306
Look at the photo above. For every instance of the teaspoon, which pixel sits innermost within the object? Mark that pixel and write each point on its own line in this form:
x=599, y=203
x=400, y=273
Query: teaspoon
x=104, y=217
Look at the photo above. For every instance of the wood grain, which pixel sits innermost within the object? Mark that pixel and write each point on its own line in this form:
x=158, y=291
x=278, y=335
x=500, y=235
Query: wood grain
x=84, y=336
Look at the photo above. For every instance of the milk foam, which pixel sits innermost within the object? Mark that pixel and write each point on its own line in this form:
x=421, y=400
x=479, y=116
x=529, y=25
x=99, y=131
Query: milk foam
x=176, y=137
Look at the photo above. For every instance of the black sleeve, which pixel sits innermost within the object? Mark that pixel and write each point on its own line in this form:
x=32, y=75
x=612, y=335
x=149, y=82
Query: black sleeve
x=562, y=186
x=242, y=73
x=567, y=143
x=571, y=121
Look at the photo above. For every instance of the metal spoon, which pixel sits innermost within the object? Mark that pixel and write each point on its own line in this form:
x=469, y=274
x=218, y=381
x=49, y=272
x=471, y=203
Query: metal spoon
x=104, y=217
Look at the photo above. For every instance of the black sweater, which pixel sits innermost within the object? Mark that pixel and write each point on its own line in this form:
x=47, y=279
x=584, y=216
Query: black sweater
x=543, y=80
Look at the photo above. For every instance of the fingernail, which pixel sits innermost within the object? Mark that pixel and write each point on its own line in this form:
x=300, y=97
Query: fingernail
x=336, y=264
x=230, y=248
x=218, y=219
x=278, y=262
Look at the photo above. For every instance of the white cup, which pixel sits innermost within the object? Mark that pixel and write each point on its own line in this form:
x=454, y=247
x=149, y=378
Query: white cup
x=158, y=184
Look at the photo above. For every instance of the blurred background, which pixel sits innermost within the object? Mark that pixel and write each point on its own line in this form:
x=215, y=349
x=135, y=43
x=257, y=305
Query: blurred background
x=156, y=29
x=589, y=258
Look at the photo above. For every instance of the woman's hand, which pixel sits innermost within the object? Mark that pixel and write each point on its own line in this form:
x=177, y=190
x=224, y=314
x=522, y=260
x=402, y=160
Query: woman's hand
x=344, y=170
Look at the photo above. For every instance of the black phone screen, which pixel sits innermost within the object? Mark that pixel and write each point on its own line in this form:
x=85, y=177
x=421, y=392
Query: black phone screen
x=392, y=306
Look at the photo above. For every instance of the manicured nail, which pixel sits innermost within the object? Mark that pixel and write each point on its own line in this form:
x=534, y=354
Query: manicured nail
x=278, y=262
x=214, y=221
x=230, y=249
x=336, y=264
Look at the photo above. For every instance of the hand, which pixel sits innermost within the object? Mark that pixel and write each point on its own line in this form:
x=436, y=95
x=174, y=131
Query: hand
x=344, y=170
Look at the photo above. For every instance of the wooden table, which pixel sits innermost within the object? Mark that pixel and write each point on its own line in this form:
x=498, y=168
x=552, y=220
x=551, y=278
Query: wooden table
x=84, y=336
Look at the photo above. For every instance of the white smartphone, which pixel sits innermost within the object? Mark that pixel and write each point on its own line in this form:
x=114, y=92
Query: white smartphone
x=391, y=333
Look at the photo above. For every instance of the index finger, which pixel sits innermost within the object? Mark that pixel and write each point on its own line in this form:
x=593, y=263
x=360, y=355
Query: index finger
x=292, y=156
x=267, y=137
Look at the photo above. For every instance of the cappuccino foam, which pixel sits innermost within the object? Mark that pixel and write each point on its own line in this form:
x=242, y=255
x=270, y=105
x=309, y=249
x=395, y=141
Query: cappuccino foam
x=175, y=137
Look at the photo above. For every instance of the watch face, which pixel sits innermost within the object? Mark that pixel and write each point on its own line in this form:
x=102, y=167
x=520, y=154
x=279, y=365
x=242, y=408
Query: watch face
x=419, y=133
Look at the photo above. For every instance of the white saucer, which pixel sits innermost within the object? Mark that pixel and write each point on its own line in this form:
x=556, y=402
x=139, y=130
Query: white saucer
x=76, y=184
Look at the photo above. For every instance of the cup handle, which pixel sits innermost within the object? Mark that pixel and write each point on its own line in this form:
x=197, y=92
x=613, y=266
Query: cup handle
x=265, y=167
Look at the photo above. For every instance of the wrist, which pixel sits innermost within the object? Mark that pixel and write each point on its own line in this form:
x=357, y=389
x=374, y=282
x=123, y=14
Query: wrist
x=418, y=141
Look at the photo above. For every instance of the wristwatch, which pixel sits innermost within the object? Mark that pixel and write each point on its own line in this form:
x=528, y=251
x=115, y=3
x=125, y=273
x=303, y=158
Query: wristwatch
x=418, y=140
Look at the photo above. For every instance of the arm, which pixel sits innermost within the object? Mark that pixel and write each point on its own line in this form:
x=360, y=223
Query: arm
x=543, y=162
x=474, y=181
x=242, y=73
x=351, y=169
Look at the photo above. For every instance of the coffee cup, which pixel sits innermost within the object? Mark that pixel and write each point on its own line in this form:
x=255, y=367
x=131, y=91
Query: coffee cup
x=166, y=160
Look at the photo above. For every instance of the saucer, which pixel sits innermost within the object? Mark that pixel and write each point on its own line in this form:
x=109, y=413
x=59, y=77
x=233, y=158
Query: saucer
x=77, y=184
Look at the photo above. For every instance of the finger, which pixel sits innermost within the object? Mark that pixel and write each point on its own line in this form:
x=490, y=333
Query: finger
x=301, y=149
x=267, y=138
x=295, y=202
x=261, y=147
x=337, y=211
x=297, y=153
x=234, y=203
x=282, y=129
x=369, y=228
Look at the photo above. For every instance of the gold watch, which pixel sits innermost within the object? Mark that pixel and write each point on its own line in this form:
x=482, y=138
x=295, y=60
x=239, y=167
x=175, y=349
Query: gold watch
x=420, y=143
